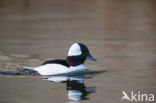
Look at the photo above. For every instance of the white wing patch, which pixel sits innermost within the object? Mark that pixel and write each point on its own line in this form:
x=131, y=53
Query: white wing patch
x=51, y=69
x=55, y=69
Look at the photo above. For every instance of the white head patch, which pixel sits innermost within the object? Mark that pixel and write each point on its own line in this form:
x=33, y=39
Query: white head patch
x=74, y=50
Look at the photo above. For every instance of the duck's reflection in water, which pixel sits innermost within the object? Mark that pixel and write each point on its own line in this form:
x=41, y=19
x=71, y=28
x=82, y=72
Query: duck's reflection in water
x=75, y=86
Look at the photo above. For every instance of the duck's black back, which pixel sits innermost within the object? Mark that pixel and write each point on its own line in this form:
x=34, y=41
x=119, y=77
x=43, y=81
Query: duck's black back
x=56, y=61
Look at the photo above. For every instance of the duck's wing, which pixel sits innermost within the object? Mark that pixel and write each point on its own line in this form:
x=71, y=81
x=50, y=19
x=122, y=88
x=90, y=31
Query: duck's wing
x=56, y=61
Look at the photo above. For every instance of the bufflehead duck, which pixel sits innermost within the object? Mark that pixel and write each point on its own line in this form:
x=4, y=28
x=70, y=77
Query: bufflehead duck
x=73, y=63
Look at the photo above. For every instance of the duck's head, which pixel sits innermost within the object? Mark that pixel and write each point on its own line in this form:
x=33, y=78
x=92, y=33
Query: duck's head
x=77, y=54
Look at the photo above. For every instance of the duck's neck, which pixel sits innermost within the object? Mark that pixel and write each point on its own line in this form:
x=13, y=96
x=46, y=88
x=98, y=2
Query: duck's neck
x=75, y=60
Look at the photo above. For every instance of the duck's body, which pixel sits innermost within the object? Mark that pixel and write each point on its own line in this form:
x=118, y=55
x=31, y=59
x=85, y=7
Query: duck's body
x=73, y=63
x=55, y=67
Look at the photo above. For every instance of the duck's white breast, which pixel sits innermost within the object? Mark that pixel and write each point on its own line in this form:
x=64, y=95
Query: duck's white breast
x=55, y=69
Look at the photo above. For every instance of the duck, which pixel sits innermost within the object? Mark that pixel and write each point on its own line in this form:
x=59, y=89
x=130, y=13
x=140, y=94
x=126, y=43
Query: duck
x=74, y=62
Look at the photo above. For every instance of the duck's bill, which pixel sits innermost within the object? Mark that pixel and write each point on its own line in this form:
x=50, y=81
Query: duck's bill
x=89, y=57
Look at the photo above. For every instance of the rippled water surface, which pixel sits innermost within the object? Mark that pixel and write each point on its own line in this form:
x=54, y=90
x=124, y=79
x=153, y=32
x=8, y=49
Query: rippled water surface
x=121, y=34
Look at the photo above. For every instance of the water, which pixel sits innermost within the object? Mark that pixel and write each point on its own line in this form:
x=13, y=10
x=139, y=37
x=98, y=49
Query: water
x=120, y=34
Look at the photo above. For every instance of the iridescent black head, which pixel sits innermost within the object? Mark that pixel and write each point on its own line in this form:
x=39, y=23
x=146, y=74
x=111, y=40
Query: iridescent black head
x=77, y=54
